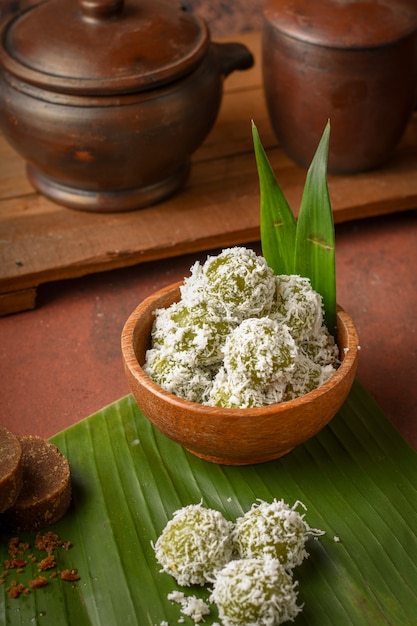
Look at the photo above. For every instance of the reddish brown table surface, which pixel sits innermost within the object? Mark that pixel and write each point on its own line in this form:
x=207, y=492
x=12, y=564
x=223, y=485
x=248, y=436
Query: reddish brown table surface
x=61, y=361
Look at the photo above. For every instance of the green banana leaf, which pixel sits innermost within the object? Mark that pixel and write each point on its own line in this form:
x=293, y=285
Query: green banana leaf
x=357, y=477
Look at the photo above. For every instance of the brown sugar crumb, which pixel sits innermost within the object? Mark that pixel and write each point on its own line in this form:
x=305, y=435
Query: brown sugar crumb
x=13, y=592
x=13, y=546
x=39, y=581
x=47, y=563
x=15, y=563
x=16, y=589
x=48, y=543
x=70, y=575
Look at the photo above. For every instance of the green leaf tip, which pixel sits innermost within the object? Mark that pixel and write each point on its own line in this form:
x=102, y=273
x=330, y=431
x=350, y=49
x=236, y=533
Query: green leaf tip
x=315, y=238
x=277, y=221
x=305, y=246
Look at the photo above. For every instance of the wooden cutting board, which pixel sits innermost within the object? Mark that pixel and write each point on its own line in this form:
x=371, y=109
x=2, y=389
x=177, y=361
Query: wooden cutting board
x=41, y=241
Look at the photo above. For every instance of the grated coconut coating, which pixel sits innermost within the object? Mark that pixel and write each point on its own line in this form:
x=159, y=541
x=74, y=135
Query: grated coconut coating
x=321, y=349
x=237, y=283
x=298, y=306
x=273, y=529
x=197, y=333
x=195, y=545
x=261, y=350
x=305, y=377
x=193, y=607
x=255, y=592
x=177, y=377
x=240, y=336
x=258, y=353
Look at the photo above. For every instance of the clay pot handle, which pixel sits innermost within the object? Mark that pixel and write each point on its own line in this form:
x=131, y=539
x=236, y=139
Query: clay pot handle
x=233, y=56
x=101, y=9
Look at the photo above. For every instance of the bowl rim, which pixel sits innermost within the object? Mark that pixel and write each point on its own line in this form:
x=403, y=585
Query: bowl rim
x=349, y=356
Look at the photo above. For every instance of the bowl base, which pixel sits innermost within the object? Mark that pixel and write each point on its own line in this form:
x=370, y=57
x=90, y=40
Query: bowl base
x=238, y=461
x=108, y=201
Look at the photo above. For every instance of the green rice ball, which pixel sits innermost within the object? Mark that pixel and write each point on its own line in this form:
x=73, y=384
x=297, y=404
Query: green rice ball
x=237, y=283
x=298, y=306
x=322, y=348
x=273, y=529
x=241, y=337
x=305, y=377
x=259, y=351
x=180, y=378
x=197, y=334
x=226, y=394
x=255, y=592
x=195, y=545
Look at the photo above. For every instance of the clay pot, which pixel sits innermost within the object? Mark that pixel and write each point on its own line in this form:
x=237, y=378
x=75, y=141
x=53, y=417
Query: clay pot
x=351, y=61
x=107, y=101
x=233, y=436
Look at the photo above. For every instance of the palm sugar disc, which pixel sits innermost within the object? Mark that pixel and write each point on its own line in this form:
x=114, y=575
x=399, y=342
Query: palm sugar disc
x=10, y=468
x=46, y=491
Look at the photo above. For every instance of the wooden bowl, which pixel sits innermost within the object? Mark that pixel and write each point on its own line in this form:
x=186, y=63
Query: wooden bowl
x=233, y=436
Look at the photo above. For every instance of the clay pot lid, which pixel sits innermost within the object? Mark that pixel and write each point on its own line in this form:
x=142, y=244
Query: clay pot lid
x=343, y=23
x=103, y=46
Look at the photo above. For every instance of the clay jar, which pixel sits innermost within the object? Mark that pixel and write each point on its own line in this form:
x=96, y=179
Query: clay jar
x=351, y=61
x=107, y=100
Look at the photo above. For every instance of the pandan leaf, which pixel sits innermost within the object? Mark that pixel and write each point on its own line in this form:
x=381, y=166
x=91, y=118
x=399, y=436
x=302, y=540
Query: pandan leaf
x=305, y=246
x=277, y=221
x=356, y=477
x=315, y=239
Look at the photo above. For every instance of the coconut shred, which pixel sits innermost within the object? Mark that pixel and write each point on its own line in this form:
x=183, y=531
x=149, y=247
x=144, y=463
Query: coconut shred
x=241, y=336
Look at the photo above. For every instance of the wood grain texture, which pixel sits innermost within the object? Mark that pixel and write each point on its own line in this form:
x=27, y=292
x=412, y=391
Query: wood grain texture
x=41, y=241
